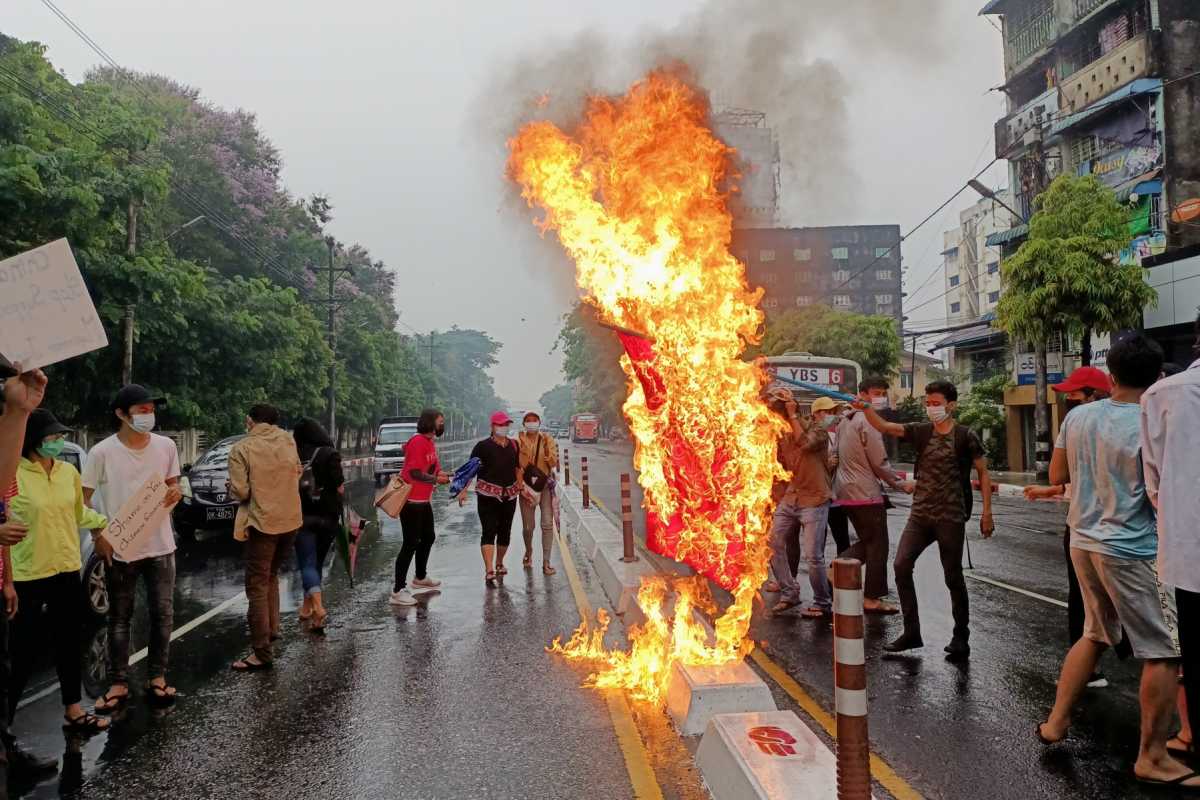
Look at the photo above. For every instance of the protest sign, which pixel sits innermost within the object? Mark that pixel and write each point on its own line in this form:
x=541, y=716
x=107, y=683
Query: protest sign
x=46, y=313
x=141, y=516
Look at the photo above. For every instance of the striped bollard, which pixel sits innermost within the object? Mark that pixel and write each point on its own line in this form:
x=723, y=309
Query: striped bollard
x=587, y=496
x=627, y=520
x=850, y=682
x=566, y=466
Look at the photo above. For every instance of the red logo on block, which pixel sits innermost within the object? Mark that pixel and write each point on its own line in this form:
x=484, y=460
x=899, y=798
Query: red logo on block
x=773, y=741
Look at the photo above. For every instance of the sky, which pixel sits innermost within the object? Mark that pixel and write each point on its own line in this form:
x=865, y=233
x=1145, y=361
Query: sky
x=399, y=112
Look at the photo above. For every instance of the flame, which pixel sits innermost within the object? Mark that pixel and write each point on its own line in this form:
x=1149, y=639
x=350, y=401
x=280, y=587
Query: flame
x=635, y=197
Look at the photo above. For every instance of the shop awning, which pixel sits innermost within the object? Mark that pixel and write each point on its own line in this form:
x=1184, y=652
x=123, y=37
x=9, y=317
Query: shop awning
x=1004, y=237
x=976, y=334
x=991, y=7
x=1138, y=87
x=1141, y=186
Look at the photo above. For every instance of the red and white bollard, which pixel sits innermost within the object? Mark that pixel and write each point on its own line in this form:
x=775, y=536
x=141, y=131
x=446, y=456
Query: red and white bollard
x=587, y=496
x=627, y=520
x=850, y=682
x=566, y=466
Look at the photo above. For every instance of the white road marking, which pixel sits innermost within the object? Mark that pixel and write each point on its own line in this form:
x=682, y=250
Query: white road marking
x=1016, y=589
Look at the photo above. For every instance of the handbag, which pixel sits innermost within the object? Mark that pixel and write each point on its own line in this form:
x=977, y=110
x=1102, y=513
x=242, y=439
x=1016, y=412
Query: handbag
x=534, y=477
x=392, y=499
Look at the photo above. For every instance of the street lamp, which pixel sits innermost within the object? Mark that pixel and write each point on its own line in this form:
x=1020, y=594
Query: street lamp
x=988, y=194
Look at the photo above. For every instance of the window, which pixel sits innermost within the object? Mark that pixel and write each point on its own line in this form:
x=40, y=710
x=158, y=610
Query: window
x=905, y=380
x=884, y=275
x=771, y=303
x=804, y=276
x=993, y=297
x=1083, y=150
x=802, y=254
x=766, y=255
x=769, y=278
x=883, y=299
x=955, y=308
x=841, y=301
x=841, y=253
x=883, y=252
x=993, y=267
x=954, y=280
x=841, y=275
x=803, y=300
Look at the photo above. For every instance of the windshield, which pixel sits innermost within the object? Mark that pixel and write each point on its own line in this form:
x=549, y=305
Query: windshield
x=397, y=434
x=218, y=457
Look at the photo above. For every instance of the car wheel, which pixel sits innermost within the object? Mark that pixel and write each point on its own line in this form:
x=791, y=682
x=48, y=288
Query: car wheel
x=95, y=586
x=95, y=663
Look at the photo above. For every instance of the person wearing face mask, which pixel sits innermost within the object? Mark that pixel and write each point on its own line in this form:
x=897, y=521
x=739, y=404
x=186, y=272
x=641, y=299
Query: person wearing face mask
x=497, y=490
x=423, y=471
x=539, y=458
x=321, y=503
x=941, y=506
x=46, y=566
x=115, y=470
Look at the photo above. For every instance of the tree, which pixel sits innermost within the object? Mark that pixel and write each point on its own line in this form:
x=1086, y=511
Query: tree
x=982, y=410
x=558, y=403
x=1066, y=279
x=592, y=359
x=872, y=341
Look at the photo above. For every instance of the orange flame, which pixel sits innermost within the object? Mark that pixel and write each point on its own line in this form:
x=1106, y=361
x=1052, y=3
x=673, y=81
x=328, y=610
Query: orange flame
x=635, y=198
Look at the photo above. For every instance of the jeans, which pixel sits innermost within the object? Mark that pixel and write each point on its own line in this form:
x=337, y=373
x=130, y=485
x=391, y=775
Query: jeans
x=1188, y=605
x=416, y=523
x=312, y=545
x=870, y=523
x=158, y=573
x=810, y=524
x=62, y=597
x=528, y=512
x=265, y=553
x=950, y=537
x=839, y=528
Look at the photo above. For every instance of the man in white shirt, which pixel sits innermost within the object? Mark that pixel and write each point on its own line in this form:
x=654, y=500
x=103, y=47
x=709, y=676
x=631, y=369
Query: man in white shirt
x=1170, y=442
x=115, y=470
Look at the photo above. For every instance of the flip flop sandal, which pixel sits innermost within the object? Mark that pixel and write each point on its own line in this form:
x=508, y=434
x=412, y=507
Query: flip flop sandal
x=85, y=723
x=1177, y=782
x=548, y=570
x=883, y=610
x=161, y=695
x=501, y=570
x=782, y=606
x=812, y=612
x=490, y=578
x=242, y=665
x=1042, y=737
x=112, y=702
x=318, y=622
x=1188, y=749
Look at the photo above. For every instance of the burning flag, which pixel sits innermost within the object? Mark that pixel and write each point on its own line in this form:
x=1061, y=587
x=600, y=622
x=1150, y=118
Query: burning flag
x=634, y=196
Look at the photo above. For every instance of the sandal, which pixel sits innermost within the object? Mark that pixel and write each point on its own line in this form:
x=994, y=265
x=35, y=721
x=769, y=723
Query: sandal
x=1043, y=738
x=1184, y=748
x=783, y=605
x=1173, y=782
x=318, y=622
x=162, y=695
x=547, y=569
x=246, y=665
x=85, y=723
x=812, y=612
x=501, y=570
x=881, y=608
x=112, y=703
x=490, y=577
x=527, y=561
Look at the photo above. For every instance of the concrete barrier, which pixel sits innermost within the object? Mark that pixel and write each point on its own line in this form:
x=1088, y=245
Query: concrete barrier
x=620, y=580
x=697, y=693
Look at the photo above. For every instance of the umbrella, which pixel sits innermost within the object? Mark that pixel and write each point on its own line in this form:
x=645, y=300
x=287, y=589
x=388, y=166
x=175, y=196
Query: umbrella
x=463, y=476
x=556, y=503
x=350, y=531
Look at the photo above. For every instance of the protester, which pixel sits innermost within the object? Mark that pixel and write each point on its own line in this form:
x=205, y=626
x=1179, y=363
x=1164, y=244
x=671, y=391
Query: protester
x=46, y=565
x=839, y=522
x=264, y=470
x=497, y=490
x=862, y=464
x=804, y=509
x=321, y=487
x=117, y=468
x=941, y=506
x=423, y=472
x=1170, y=443
x=1113, y=544
x=1083, y=385
x=538, y=455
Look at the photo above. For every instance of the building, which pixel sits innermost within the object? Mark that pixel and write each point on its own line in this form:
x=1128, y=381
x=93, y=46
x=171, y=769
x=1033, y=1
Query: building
x=972, y=266
x=853, y=267
x=755, y=204
x=1175, y=276
x=914, y=374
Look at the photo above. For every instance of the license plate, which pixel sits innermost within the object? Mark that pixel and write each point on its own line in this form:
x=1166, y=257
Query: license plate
x=219, y=514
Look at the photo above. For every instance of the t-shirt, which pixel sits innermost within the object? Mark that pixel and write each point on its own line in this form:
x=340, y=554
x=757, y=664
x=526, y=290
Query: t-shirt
x=497, y=476
x=1110, y=512
x=420, y=454
x=939, y=494
x=116, y=472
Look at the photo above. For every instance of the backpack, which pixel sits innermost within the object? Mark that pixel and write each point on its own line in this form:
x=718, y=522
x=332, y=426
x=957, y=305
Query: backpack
x=923, y=434
x=310, y=487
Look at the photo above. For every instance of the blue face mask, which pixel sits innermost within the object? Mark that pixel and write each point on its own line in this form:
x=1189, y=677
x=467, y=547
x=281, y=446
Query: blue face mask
x=53, y=448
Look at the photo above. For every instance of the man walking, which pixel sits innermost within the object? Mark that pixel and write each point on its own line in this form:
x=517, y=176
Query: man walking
x=538, y=459
x=862, y=464
x=116, y=469
x=264, y=473
x=941, y=506
x=1113, y=546
x=1170, y=440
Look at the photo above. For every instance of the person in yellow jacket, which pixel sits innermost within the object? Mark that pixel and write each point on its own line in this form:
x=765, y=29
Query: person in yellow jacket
x=46, y=564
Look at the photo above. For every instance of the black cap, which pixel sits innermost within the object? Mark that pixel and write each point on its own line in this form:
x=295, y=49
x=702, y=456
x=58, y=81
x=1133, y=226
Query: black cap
x=134, y=395
x=43, y=423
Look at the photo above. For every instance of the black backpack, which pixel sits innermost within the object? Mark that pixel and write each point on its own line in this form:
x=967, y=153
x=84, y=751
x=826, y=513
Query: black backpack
x=922, y=434
x=310, y=487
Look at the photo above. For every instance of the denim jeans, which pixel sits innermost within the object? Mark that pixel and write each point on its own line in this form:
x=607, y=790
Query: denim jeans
x=159, y=576
x=792, y=521
x=312, y=545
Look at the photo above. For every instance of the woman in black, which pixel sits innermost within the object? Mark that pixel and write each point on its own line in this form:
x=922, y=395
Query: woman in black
x=321, y=502
x=496, y=488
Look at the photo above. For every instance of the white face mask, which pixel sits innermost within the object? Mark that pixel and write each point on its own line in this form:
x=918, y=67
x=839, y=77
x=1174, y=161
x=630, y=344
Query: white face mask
x=532, y=427
x=142, y=423
x=500, y=430
x=879, y=403
x=936, y=413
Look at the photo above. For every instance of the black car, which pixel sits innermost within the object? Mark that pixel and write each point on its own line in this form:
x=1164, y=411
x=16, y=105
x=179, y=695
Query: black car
x=206, y=502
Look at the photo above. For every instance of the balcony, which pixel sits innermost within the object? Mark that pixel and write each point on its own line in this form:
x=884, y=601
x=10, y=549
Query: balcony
x=1084, y=7
x=1106, y=74
x=1011, y=130
x=1031, y=34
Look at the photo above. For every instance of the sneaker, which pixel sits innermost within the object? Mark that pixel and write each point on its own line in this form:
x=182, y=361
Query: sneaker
x=402, y=598
x=426, y=583
x=1097, y=681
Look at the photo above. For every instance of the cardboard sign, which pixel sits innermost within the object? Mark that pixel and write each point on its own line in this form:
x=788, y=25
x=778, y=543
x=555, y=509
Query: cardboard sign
x=46, y=313
x=141, y=516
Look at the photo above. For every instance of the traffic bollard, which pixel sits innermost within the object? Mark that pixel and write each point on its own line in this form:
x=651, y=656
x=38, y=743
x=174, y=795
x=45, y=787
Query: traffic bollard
x=850, y=682
x=566, y=466
x=587, y=497
x=627, y=520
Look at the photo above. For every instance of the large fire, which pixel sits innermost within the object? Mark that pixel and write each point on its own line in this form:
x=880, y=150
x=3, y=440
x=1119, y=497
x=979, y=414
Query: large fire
x=635, y=197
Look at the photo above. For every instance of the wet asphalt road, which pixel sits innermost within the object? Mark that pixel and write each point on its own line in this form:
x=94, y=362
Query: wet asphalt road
x=965, y=731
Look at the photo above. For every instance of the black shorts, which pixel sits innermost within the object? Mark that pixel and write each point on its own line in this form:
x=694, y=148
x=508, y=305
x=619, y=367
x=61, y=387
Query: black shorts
x=496, y=519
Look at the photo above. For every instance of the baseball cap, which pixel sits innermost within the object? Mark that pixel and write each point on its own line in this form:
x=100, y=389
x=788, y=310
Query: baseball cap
x=824, y=404
x=1085, y=378
x=779, y=395
x=501, y=418
x=134, y=395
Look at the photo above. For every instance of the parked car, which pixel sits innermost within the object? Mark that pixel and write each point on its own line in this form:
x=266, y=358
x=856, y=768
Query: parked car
x=394, y=433
x=206, y=502
x=94, y=572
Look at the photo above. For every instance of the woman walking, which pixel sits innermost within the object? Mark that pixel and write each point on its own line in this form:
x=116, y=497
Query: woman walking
x=496, y=488
x=321, y=488
x=46, y=565
x=423, y=472
x=538, y=459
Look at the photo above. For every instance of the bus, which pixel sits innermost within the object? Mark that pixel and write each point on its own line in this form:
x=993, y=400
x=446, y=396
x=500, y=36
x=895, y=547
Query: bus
x=839, y=374
x=585, y=428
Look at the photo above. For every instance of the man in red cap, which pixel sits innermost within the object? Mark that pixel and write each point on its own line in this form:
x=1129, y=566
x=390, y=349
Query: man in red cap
x=496, y=489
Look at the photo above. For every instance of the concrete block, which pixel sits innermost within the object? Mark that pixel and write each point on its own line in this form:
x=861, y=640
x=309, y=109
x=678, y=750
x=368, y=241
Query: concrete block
x=765, y=756
x=697, y=693
x=596, y=532
x=619, y=580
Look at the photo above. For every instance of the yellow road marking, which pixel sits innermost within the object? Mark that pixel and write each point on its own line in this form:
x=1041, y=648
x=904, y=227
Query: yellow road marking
x=880, y=771
x=637, y=762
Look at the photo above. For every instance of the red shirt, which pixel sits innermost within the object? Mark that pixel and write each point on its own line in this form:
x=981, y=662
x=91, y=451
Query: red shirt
x=421, y=455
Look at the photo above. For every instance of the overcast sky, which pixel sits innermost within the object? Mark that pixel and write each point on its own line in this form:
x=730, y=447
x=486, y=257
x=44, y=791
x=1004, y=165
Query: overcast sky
x=397, y=110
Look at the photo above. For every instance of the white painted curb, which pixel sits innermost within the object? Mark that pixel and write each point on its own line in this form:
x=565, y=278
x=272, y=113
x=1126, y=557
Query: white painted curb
x=697, y=693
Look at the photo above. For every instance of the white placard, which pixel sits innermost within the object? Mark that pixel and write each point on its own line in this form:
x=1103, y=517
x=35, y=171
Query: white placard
x=46, y=313
x=140, y=517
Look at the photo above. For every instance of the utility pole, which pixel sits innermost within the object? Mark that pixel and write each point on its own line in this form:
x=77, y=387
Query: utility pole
x=332, y=300
x=1041, y=411
x=127, y=324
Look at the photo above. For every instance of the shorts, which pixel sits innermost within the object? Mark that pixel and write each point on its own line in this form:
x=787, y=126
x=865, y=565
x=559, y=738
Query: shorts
x=1125, y=593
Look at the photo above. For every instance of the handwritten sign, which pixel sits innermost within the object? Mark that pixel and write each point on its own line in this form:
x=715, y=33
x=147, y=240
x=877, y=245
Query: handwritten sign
x=140, y=517
x=46, y=313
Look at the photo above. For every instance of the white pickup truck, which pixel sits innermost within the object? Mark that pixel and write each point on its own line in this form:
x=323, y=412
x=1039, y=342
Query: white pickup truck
x=394, y=433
